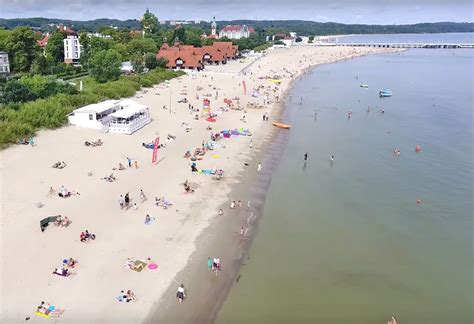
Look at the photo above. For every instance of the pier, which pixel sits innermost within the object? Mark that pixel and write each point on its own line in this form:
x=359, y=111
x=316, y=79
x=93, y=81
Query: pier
x=403, y=45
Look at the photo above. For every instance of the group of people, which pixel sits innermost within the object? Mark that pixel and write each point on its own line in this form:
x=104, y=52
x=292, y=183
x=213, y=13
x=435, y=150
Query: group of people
x=59, y=165
x=126, y=296
x=124, y=201
x=214, y=264
x=86, y=236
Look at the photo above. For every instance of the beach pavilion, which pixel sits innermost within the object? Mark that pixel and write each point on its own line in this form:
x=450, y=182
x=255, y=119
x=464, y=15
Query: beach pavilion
x=115, y=116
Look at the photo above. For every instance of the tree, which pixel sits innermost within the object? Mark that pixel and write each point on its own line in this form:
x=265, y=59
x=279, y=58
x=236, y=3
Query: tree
x=122, y=49
x=193, y=37
x=161, y=62
x=15, y=92
x=105, y=65
x=150, y=61
x=180, y=34
x=40, y=64
x=21, y=46
x=3, y=38
x=149, y=22
x=140, y=46
x=310, y=39
x=55, y=47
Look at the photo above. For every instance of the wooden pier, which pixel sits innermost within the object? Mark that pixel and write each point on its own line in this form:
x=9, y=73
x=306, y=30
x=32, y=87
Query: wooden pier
x=402, y=45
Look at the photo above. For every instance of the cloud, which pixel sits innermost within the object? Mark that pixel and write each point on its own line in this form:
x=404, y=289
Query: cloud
x=348, y=11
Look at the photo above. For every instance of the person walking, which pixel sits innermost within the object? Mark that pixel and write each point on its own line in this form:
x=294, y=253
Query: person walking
x=129, y=161
x=180, y=293
x=121, y=202
x=209, y=264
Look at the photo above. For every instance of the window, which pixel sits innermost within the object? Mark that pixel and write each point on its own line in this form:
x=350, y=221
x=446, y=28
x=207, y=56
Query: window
x=91, y=117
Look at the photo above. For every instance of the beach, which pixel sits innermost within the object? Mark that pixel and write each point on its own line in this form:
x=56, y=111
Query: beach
x=28, y=256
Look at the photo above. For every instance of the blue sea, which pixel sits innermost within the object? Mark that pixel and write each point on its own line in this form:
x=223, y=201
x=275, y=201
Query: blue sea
x=346, y=241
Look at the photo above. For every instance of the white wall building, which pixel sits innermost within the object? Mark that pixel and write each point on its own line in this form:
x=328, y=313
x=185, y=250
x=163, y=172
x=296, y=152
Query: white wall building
x=72, y=50
x=4, y=63
x=236, y=31
x=115, y=116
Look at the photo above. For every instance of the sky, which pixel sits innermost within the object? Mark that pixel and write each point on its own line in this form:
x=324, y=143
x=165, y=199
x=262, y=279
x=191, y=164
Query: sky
x=344, y=11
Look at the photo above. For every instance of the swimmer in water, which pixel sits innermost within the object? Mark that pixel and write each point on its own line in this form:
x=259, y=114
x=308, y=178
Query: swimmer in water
x=332, y=158
x=368, y=108
x=383, y=111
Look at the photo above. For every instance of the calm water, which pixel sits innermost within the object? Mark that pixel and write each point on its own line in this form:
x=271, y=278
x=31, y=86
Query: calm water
x=460, y=38
x=347, y=242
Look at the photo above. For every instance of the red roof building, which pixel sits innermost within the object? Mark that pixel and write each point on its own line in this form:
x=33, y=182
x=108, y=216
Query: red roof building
x=44, y=41
x=194, y=58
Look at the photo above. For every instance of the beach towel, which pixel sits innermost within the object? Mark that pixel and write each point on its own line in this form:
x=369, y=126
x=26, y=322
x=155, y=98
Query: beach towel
x=138, y=263
x=216, y=156
x=212, y=120
x=42, y=314
x=150, y=146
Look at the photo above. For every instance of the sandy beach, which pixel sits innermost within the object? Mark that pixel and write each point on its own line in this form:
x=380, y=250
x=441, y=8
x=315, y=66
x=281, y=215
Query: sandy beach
x=28, y=256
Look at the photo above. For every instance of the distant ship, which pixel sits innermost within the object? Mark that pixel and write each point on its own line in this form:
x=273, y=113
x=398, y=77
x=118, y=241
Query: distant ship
x=364, y=85
x=385, y=93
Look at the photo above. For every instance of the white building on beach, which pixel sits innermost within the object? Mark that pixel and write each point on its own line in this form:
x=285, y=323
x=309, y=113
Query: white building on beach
x=115, y=116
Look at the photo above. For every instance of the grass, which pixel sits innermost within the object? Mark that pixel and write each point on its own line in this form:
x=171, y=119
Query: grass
x=20, y=121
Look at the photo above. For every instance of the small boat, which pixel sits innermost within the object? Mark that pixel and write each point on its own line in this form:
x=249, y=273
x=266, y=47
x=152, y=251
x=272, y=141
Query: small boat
x=281, y=125
x=364, y=85
x=385, y=93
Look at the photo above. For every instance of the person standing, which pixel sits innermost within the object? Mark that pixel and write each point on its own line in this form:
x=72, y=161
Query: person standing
x=121, y=202
x=259, y=167
x=209, y=264
x=251, y=144
x=306, y=156
x=180, y=293
x=232, y=204
x=129, y=161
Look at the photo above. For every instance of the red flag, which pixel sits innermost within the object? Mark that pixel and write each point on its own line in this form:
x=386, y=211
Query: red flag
x=245, y=87
x=155, y=150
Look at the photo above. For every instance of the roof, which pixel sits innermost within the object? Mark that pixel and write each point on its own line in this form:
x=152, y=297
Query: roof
x=129, y=108
x=98, y=107
x=44, y=41
x=192, y=56
x=232, y=28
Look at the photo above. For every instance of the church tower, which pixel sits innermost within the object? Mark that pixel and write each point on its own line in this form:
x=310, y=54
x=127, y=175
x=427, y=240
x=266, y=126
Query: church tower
x=214, y=27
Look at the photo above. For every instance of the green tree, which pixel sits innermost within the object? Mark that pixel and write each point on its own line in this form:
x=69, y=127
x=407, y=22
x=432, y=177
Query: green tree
x=40, y=64
x=21, y=46
x=3, y=38
x=180, y=34
x=140, y=46
x=149, y=22
x=193, y=37
x=122, y=49
x=161, y=62
x=310, y=39
x=55, y=47
x=105, y=65
x=15, y=92
x=150, y=61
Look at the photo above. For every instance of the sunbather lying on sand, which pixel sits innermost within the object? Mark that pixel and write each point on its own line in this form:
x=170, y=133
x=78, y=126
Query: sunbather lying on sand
x=59, y=165
x=48, y=309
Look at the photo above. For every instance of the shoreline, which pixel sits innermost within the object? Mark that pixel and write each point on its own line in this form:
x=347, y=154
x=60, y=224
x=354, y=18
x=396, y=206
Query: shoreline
x=173, y=240
x=274, y=144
